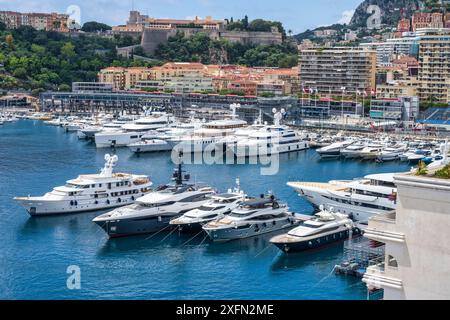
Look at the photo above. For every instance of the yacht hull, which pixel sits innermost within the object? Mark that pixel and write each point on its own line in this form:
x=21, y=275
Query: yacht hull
x=338, y=204
x=247, y=151
x=142, y=148
x=289, y=244
x=116, y=140
x=136, y=226
x=40, y=207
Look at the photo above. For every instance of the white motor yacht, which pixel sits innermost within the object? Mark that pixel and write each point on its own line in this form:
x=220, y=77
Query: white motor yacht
x=325, y=228
x=334, y=150
x=132, y=132
x=391, y=153
x=371, y=152
x=359, y=199
x=219, y=206
x=90, y=192
x=269, y=140
x=252, y=218
x=353, y=151
x=153, y=212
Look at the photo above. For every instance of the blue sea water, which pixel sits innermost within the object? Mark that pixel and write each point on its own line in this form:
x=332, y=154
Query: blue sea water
x=35, y=252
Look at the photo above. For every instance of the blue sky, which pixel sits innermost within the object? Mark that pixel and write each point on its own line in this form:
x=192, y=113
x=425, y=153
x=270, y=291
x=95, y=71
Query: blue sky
x=296, y=15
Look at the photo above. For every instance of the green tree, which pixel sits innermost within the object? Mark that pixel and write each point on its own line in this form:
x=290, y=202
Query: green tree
x=93, y=26
x=68, y=51
x=20, y=73
x=64, y=88
x=9, y=39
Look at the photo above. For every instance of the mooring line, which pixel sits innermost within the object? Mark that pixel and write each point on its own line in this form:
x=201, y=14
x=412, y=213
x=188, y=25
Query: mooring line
x=206, y=236
x=148, y=238
x=263, y=251
x=170, y=233
x=191, y=239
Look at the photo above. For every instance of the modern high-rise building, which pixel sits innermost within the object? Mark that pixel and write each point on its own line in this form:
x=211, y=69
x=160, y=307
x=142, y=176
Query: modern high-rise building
x=434, y=65
x=334, y=70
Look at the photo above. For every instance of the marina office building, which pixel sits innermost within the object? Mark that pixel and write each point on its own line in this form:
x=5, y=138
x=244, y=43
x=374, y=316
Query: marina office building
x=416, y=238
x=95, y=97
x=330, y=70
x=400, y=109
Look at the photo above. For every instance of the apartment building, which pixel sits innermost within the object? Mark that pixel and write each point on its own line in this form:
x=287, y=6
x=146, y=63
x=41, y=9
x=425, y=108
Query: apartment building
x=39, y=21
x=391, y=48
x=115, y=76
x=398, y=88
x=434, y=65
x=331, y=70
x=416, y=237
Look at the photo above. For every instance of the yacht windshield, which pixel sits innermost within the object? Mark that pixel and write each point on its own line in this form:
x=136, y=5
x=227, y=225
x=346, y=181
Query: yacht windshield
x=76, y=186
x=241, y=214
x=205, y=208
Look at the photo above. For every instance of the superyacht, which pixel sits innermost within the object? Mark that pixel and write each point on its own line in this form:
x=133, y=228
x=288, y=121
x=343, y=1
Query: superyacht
x=153, y=212
x=269, y=140
x=359, y=199
x=132, y=132
x=90, y=192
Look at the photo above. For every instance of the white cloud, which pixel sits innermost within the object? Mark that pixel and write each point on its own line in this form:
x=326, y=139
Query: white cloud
x=346, y=17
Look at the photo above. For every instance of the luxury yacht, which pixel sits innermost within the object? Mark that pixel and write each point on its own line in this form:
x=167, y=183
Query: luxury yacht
x=359, y=199
x=334, y=150
x=253, y=217
x=325, y=228
x=391, y=153
x=214, y=135
x=352, y=151
x=164, y=139
x=371, y=152
x=90, y=192
x=269, y=140
x=132, y=132
x=153, y=212
x=219, y=206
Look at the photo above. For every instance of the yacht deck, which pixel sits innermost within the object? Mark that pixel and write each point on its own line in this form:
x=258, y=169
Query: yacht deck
x=325, y=186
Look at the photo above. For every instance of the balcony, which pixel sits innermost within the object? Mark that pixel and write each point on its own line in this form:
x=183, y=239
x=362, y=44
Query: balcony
x=376, y=277
x=382, y=228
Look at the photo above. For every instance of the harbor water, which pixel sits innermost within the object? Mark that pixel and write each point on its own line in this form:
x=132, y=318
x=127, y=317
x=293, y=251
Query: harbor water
x=36, y=252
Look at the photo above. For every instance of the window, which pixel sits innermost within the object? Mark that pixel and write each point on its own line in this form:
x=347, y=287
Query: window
x=392, y=262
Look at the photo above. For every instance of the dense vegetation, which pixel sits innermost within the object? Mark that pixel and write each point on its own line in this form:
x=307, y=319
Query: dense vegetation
x=257, y=25
x=200, y=48
x=93, y=26
x=39, y=60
